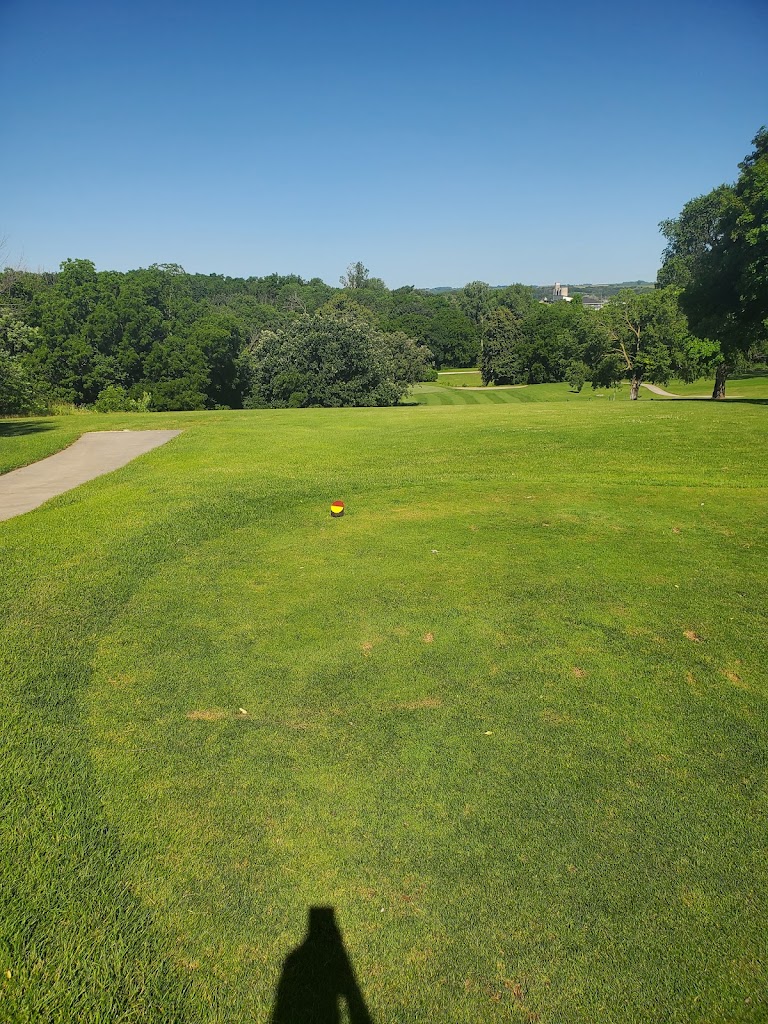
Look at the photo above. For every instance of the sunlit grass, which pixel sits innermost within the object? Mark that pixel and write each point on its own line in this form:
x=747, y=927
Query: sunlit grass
x=507, y=716
x=752, y=386
x=522, y=394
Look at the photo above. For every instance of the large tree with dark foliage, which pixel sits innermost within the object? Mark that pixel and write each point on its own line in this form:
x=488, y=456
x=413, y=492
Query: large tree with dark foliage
x=336, y=357
x=718, y=251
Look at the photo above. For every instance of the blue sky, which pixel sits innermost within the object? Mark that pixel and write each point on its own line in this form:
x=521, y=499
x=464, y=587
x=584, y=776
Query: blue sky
x=437, y=143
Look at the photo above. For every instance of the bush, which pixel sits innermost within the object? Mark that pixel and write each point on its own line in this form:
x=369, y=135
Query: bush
x=334, y=358
x=114, y=398
x=57, y=407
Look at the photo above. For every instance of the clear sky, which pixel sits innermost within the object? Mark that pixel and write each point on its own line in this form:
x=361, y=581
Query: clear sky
x=436, y=142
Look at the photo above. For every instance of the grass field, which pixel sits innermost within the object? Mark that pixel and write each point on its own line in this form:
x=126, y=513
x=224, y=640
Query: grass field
x=438, y=394
x=507, y=716
x=753, y=386
x=456, y=388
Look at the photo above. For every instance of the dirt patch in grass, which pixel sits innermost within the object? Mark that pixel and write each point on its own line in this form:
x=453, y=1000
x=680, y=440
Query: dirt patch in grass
x=207, y=715
x=425, y=703
x=691, y=634
x=579, y=672
x=428, y=638
x=732, y=677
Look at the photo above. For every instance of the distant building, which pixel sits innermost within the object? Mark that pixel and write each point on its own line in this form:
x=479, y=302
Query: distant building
x=560, y=294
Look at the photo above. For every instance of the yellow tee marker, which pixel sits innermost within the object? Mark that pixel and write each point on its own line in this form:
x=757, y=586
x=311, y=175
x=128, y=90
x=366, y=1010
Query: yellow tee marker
x=337, y=509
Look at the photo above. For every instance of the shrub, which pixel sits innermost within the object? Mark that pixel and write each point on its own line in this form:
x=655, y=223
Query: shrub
x=114, y=398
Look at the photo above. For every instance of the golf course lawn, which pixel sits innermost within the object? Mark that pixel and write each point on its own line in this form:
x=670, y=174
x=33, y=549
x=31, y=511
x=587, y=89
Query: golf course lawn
x=507, y=716
x=454, y=387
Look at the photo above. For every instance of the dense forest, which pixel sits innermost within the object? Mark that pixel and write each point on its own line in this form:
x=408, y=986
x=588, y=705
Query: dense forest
x=162, y=339
x=193, y=341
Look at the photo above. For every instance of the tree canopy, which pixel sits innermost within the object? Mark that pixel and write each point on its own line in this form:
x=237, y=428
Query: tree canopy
x=717, y=252
x=335, y=357
x=180, y=338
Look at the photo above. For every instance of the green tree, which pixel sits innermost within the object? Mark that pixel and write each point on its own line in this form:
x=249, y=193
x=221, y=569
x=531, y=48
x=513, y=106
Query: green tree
x=475, y=300
x=177, y=375
x=552, y=339
x=436, y=322
x=336, y=357
x=726, y=298
x=355, y=277
x=220, y=336
x=576, y=374
x=696, y=358
x=691, y=235
x=519, y=298
x=20, y=389
x=501, y=360
x=646, y=328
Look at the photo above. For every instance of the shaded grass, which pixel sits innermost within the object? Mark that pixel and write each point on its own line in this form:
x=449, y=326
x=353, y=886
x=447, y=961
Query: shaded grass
x=551, y=809
x=23, y=441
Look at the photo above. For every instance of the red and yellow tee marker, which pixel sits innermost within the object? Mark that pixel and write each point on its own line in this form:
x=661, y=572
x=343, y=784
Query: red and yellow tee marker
x=337, y=509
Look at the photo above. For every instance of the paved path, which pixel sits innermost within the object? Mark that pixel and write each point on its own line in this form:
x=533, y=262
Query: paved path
x=90, y=456
x=658, y=391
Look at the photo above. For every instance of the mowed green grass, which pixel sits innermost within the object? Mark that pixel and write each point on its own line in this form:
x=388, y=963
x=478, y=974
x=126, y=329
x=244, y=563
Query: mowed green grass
x=458, y=388
x=507, y=716
x=753, y=386
x=519, y=394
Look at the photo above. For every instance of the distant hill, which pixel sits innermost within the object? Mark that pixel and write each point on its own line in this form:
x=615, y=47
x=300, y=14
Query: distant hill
x=541, y=291
x=599, y=291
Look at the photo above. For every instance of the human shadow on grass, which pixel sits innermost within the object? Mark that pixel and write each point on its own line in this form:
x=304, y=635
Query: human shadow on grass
x=317, y=975
x=15, y=428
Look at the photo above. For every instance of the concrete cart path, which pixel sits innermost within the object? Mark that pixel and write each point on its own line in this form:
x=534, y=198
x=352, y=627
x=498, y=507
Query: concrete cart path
x=90, y=456
x=658, y=391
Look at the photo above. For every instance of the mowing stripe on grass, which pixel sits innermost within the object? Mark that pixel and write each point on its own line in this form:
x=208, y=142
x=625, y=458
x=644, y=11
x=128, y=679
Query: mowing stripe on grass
x=502, y=716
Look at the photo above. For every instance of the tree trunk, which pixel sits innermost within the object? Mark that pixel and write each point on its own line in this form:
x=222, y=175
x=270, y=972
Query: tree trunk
x=720, y=379
x=634, y=389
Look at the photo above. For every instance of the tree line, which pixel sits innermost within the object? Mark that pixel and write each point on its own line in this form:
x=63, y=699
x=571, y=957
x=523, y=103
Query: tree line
x=707, y=315
x=171, y=340
x=162, y=339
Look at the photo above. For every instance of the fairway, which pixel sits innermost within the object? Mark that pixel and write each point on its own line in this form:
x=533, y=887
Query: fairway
x=507, y=716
